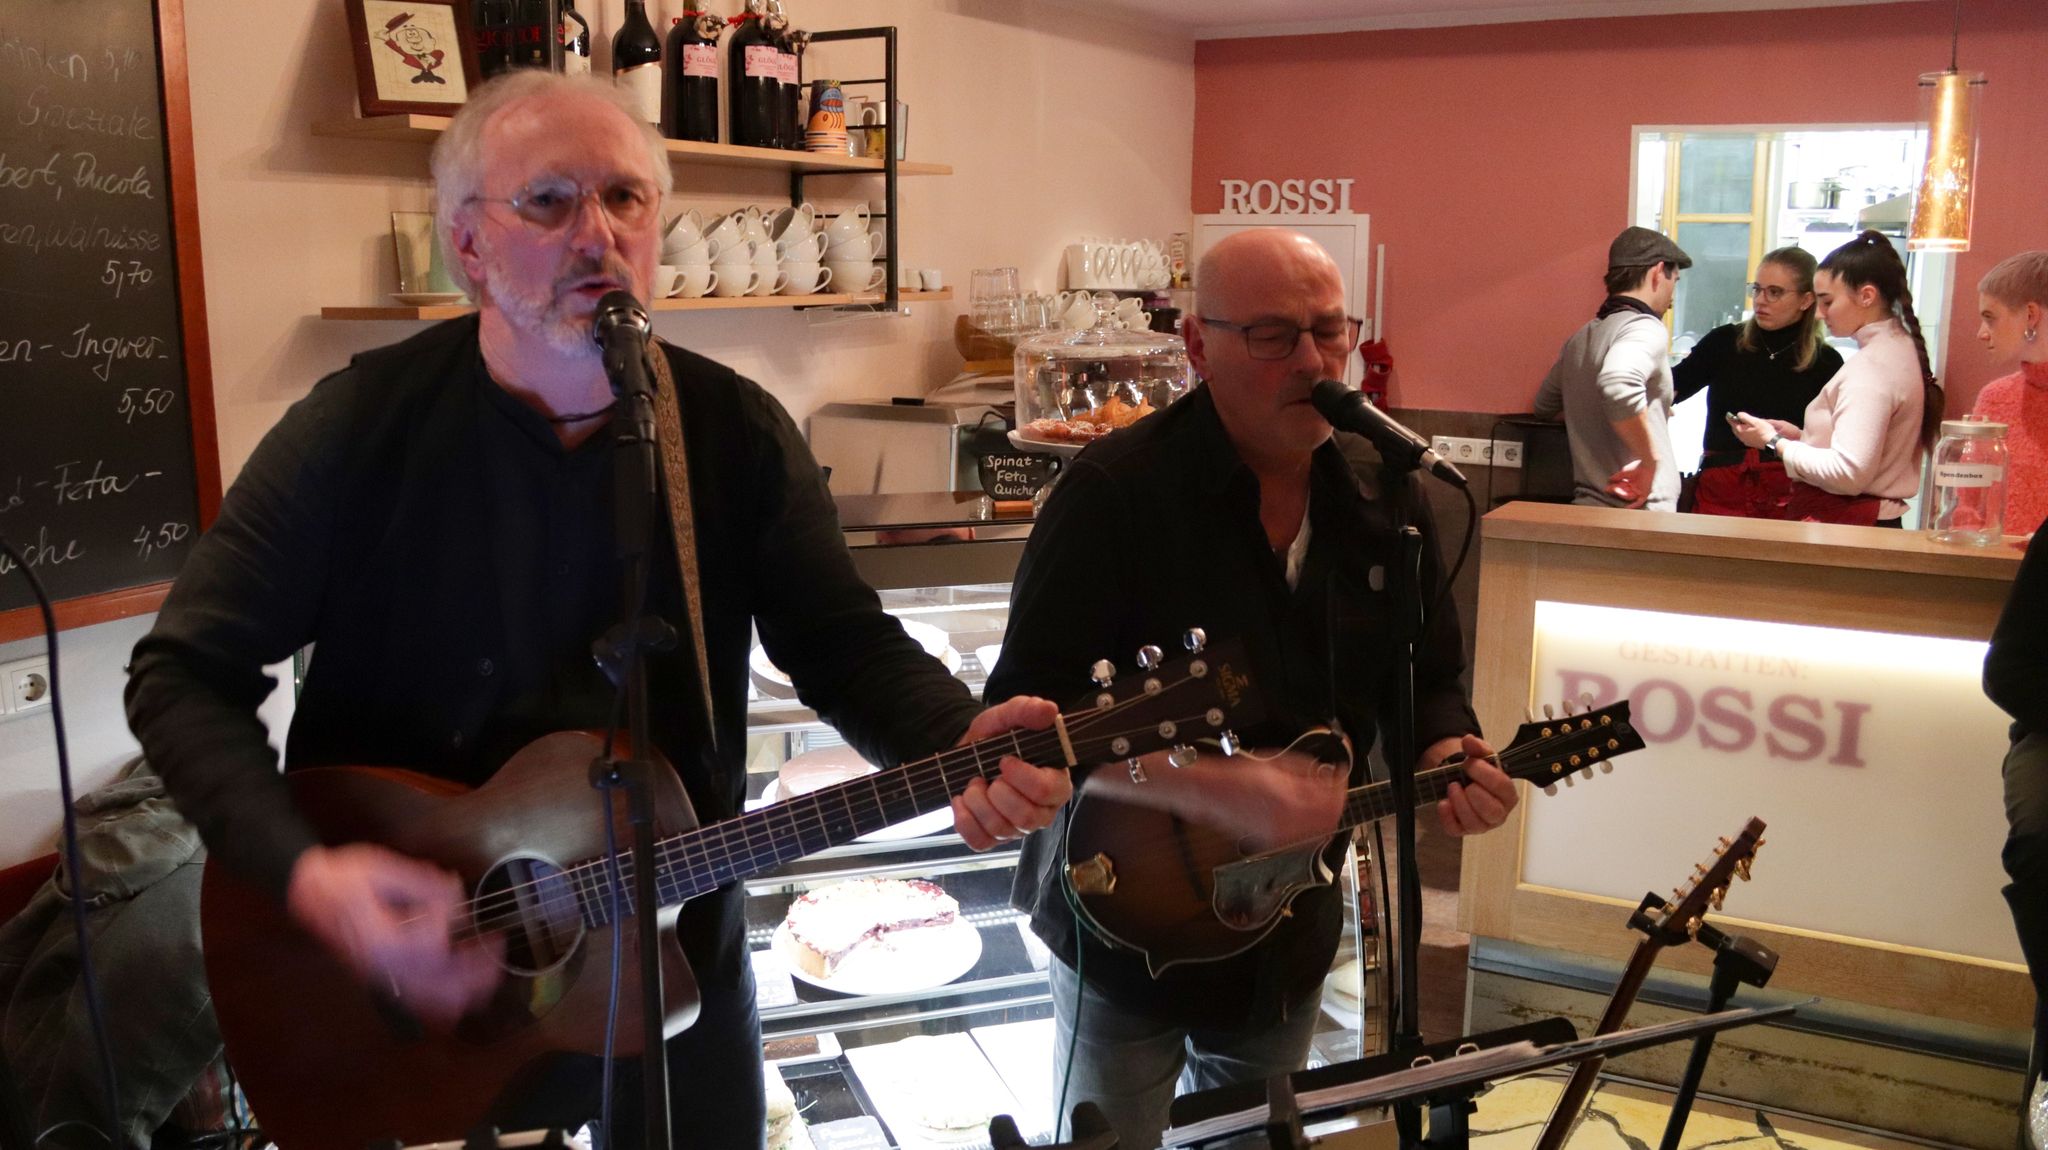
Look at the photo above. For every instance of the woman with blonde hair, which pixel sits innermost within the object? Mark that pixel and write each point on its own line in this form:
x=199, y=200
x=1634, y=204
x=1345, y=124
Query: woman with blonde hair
x=1770, y=365
x=2012, y=302
x=1855, y=458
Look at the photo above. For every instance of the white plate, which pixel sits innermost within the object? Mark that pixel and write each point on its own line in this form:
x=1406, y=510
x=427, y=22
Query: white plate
x=1061, y=448
x=896, y=962
x=428, y=298
x=935, y=642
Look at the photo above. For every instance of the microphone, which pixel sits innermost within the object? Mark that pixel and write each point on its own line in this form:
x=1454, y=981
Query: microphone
x=1348, y=410
x=621, y=329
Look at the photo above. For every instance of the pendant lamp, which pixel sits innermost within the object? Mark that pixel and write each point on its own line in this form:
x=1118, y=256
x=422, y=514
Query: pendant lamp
x=1951, y=102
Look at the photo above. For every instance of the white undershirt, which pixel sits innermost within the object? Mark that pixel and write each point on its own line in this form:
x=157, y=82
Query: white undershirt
x=1297, y=551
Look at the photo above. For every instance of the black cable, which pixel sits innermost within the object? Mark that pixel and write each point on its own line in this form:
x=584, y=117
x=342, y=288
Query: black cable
x=71, y=862
x=1464, y=549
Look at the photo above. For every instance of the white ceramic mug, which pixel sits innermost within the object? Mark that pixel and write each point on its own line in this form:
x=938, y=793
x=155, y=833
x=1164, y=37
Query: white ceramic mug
x=735, y=280
x=751, y=222
x=931, y=279
x=768, y=281
x=696, y=279
x=804, y=279
x=857, y=275
x=727, y=233
x=684, y=230
x=699, y=254
x=797, y=221
x=860, y=247
x=849, y=224
x=665, y=278
x=809, y=249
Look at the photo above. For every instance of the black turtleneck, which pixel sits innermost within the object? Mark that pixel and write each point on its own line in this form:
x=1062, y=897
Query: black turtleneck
x=1765, y=383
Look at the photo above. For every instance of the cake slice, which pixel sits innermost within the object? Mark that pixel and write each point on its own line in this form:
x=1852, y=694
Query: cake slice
x=827, y=924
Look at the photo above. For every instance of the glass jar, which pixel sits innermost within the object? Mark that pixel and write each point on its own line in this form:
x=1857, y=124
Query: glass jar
x=1074, y=387
x=1969, y=483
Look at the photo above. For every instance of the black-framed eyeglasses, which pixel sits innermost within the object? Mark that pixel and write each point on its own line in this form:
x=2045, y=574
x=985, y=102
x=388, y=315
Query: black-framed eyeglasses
x=1276, y=339
x=1769, y=293
x=553, y=204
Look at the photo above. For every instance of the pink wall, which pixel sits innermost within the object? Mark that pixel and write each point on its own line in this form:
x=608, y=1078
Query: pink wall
x=1494, y=160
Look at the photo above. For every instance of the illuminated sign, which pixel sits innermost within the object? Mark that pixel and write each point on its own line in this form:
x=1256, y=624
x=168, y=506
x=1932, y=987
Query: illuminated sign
x=1873, y=757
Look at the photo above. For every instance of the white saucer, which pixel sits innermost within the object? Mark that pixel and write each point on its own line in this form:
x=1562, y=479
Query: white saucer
x=897, y=962
x=429, y=298
x=1062, y=448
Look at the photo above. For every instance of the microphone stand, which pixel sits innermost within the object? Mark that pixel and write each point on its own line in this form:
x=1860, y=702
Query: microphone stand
x=1405, y=593
x=623, y=651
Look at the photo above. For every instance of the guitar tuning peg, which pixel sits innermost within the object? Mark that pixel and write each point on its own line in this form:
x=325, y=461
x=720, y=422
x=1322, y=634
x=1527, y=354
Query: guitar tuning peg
x=1181, y=756
x=1227, y=742
x=1547, y=712
x=1194, y=639
x=1726, y=842
x=1720, y=895
x=1606, y=767
x=1150, y=656
x=1586, y=699
x=1571, y=778
x=1567, y=705
x=1103, y=673
x=1742, y=870
x=1587, y=773
x=1550, y=788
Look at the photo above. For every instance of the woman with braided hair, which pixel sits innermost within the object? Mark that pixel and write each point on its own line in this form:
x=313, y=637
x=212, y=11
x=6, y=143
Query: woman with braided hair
x=1856, y=459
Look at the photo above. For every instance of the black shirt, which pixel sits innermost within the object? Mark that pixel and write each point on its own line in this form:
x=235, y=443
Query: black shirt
x=450, y=562
x=2016, y=666
x=1155, y=529
x=1765, y=382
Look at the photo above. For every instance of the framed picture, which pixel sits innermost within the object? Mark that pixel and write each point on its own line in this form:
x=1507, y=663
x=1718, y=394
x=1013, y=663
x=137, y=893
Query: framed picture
x=412, y=55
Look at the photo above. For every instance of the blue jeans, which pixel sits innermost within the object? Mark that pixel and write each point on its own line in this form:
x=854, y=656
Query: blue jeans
x=1132, y=1065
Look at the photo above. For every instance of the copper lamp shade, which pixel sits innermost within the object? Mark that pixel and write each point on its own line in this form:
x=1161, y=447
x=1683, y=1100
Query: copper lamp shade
x=1941, y=210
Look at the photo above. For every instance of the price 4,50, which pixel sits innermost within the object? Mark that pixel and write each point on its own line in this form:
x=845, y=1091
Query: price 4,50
x=149, y=540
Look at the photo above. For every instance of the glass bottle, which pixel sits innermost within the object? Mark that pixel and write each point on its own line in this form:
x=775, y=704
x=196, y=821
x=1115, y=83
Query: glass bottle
x=752, y=87
x=573, y=33
x=777, y=25
x=690, y=102
x=532, y=42
x=1969, y=483
x=492, y=26
x=636, y=61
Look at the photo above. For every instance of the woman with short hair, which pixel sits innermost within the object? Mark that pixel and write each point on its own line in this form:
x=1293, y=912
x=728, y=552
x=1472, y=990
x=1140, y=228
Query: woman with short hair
x=2012, y=302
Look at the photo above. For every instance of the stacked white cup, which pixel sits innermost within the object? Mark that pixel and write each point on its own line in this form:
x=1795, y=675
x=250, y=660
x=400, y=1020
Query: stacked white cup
x=850, y=252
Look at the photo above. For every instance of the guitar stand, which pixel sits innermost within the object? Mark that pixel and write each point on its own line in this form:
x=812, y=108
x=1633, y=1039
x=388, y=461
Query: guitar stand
x=1738, y=959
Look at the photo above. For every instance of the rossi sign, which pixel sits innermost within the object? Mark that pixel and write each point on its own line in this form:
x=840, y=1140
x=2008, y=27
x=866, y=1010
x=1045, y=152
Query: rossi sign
x=1875, y=759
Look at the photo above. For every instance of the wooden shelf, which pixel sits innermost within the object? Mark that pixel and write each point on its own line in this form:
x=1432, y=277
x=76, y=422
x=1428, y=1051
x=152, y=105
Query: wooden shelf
x=426, y=129
x=709, y=303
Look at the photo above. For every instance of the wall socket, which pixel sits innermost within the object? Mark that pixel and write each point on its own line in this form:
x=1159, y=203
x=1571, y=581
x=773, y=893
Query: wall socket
x=27, y=687
x=1478, y=452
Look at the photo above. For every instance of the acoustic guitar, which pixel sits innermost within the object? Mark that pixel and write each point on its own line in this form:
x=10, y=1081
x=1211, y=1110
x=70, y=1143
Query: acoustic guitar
x=1663, y=924
x=328, y=1062
x=1177, y=891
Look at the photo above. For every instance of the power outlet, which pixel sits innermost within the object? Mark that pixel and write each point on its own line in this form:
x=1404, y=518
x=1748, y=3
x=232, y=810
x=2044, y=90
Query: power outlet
x=1507, y=453
x=1463, y=452
x=27, y=683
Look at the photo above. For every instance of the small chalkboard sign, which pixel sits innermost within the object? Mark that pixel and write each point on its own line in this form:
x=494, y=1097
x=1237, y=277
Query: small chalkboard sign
x=1007, y=475
x=108, y=468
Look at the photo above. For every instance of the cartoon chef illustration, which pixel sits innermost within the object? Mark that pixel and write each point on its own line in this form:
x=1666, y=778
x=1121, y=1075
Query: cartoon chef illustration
x=415, y=45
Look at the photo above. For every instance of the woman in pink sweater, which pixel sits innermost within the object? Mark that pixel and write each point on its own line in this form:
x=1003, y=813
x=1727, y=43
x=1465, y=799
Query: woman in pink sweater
x=1857, y=458
x=2013, y=304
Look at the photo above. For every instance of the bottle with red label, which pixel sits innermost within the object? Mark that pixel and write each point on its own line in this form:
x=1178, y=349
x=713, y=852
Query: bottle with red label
x=753, y=80
x=574, y=34
x=689, y=106
x=789, y=91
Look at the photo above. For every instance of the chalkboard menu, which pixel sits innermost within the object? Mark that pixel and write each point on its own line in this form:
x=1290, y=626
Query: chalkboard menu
x=108, y=470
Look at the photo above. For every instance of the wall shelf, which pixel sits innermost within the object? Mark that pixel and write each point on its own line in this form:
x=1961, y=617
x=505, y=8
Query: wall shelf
x=708, y=303
x=427, y=129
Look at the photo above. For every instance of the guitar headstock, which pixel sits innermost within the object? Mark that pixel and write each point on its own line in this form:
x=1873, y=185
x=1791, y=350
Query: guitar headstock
x=1709, y=884
x=1557, y=749
x=1200, y=695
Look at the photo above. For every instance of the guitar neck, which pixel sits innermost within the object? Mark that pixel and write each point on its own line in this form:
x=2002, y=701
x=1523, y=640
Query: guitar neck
x=1377, y=800
x=691, y=863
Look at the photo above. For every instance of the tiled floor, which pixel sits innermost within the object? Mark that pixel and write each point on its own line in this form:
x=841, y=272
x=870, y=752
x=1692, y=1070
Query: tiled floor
x=1621, y=1117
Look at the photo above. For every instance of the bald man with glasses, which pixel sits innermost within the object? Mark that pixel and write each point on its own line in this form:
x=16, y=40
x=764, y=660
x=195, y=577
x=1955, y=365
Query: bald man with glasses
x=1237, y=510
x=435, y=522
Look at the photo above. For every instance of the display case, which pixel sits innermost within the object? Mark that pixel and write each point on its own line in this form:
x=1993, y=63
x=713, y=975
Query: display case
x=921, y=1044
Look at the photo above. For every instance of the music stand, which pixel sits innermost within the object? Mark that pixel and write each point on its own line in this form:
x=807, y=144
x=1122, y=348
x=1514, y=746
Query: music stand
x=1452, y=1080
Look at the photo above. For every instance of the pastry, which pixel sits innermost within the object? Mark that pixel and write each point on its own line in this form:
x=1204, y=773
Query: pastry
x=827, y=924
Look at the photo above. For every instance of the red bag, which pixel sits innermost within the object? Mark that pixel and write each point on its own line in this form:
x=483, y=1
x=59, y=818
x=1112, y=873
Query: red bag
x=1812, y=505
x=1753, y=489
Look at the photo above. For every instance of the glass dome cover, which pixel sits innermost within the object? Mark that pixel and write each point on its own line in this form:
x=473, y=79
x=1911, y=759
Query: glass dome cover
x=1074, y=387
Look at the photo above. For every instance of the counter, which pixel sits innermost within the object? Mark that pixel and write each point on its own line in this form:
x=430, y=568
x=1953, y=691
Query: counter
x=1823, y=678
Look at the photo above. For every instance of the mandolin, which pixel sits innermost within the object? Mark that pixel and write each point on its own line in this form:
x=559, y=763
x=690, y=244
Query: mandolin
x=328, y=1062
x=1177, y=891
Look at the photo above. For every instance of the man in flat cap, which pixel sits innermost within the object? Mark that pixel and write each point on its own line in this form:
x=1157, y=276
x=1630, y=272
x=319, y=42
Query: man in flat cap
x=1612, y=382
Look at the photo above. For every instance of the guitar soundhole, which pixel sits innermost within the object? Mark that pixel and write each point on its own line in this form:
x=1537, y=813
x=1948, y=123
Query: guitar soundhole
x=536, y=906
